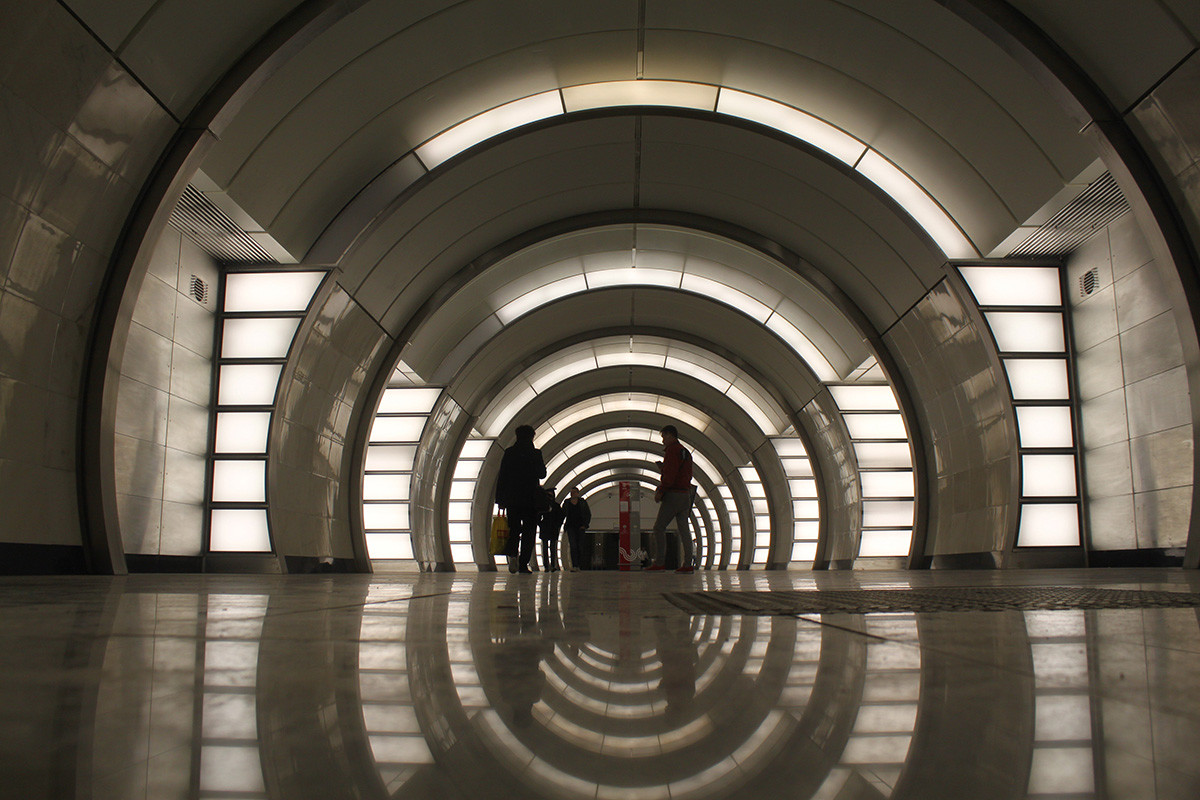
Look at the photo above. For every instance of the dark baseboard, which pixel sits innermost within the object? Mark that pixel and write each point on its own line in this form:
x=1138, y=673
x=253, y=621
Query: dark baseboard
x=1149, y=557
x=242, y=563
x=42, y=559
x=964, y=561
x=1044, y=558
x=176, y=564
x=311, y=565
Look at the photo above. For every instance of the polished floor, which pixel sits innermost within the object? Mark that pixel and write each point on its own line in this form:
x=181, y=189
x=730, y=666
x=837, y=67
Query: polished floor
x=587, y=685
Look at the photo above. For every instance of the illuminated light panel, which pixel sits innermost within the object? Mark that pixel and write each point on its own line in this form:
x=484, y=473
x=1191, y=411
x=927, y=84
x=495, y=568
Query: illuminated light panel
x=792, y=121
x=242, y=432
x=396, y=429
x=917, y=202
x=390, y=458
x=1045, y=426
x=885, y=543
x=564, y=287
x=476, y=448
x=887, y=484
x=239, y=481
x=723, y=293
x=802, y=346
x=1027, y=331
x=247, y=384
x=864, y=397
x=257, y=338
x=1048, y=476
x=677, y=94
x=633, y=276
x=482, y=127
x=385, y=487
x=1048, y=525
x=1037, y=378
x=887, y=513
x=385, y=516
x=390, y=545
x=1013, y=286
x=875, y=426
x=408, y=401
x=883, y=455
x=241, y=530
x=270, y=291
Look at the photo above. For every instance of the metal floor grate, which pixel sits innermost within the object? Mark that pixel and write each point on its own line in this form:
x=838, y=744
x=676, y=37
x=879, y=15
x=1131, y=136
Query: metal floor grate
x=865, y=601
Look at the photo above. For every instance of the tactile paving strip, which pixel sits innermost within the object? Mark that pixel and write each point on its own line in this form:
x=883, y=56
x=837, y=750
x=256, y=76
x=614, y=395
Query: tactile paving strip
x=866, y=601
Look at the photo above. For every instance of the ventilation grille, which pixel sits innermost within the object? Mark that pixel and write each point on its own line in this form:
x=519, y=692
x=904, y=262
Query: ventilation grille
x=213, y=231
x=198, y=290
x=1089, y=282
x=1097, y=206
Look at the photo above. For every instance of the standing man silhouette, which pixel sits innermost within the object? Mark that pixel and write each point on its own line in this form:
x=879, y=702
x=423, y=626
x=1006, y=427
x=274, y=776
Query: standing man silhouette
x=674, y=495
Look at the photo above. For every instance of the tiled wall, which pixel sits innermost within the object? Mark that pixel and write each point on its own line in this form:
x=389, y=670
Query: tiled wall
x=79, y=136
x=1135, y=404
x=335, y=353
x=163, y=405
x=968, y=422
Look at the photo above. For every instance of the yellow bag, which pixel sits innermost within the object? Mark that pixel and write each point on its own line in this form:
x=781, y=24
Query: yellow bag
x=499, y=541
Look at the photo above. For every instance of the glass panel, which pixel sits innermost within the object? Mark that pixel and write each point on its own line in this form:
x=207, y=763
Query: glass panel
x=913, y=199
x=793, y=122
x=1048, y=476
x=759, y=505
x=885, y=543
x=467, y=470
x=389, y=545
x=257, y=338
x=1027, y=331
x=270, y=291
x=408, y=401
x=1037, y=378
x=242, y=431
x=484, y=126
x=396, y=429
x=678, y=94
x=797, y=467
x=864, y=398
x=887, y=484
x=1045, y=426
x=875, y=426
x=462, y=490
x=887, y=513
x=460, y=512
x=462, y=554
x=476, y=448
x=239, y=530
x=239, y=481
x=790, y=448
x=390, y=457
x=1013, y=286
x=459, y=532
x=806, y=509
x=386, y=487
x=803, y=488
x=806, y=530
x=804, y=551
x=385, y=516
x=882, y=455
x=1048, y=525
x=247, y=384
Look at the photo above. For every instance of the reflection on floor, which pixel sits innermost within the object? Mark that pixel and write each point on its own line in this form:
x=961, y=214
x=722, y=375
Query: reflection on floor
x=587, y=685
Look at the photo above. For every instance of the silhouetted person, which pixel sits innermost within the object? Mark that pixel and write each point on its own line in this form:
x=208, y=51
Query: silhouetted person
x=519, y=493
x=576, y=518
x=549, y=527
x=674, y=496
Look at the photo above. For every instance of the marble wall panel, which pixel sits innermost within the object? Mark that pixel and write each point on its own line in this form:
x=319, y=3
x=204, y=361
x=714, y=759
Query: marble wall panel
x=80, y=136
x=336, y=348
x=1136, y=408
x=834, y=454
x=964, y=412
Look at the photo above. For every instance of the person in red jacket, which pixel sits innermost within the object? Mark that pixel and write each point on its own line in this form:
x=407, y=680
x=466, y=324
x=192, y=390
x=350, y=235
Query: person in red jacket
x=674, y=495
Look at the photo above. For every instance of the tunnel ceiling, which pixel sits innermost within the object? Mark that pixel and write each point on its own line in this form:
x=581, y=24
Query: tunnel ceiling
x=336, y=156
